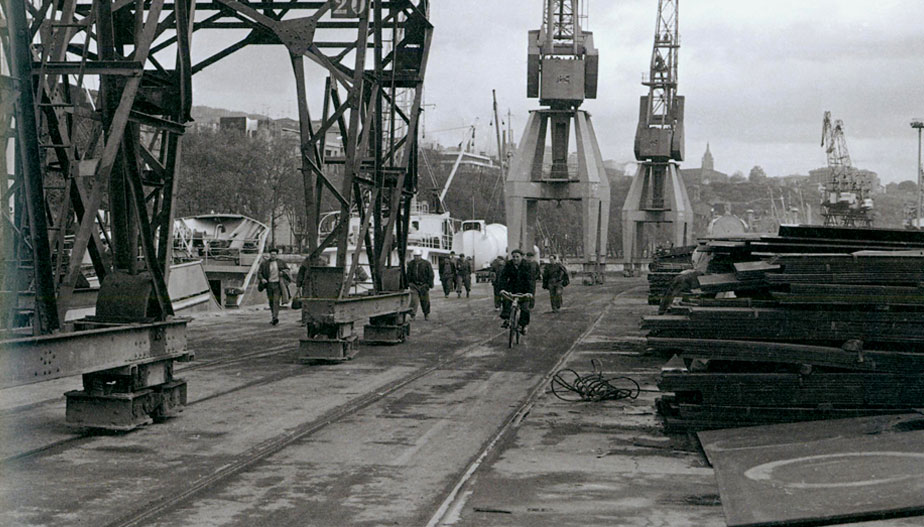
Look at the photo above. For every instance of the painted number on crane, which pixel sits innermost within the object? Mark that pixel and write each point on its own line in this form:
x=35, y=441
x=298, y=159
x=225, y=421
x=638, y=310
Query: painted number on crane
x=564, y=79
x=348, y=8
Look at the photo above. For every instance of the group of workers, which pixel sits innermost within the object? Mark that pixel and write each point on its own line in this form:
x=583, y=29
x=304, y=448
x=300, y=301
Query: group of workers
x=456, y=273
x=517, y=275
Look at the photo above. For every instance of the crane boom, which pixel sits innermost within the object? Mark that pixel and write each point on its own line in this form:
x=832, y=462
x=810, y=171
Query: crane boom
x=660, y=127
x=657, y=210
x=845, y=201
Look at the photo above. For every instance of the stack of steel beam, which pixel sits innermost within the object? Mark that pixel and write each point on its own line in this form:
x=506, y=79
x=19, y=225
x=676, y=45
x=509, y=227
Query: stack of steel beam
x=796, y=334
x=666, y=264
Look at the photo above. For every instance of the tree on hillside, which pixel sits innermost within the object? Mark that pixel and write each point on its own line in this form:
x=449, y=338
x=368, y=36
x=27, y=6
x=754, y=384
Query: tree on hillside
x=228, y=172
x=757, y=175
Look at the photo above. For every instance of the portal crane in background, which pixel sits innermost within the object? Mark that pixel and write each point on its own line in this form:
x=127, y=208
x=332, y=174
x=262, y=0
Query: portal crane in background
x=562, y=66
x=846, y=200
x=657, y=197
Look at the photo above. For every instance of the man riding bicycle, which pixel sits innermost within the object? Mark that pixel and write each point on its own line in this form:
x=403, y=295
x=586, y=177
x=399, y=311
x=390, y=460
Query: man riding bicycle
x=516, y=278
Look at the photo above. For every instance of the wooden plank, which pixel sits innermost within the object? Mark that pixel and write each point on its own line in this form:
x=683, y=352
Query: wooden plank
x=755, y=351
x=894, y=327
x=717, y=283
x=897, y=279
x=698, y=417
x=867, y=234
x=827, y=294
x=791, y=389
x=758, y=266
x=819, y=473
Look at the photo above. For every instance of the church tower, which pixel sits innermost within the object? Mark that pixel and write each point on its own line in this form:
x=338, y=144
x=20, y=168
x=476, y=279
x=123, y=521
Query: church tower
x=708, y=163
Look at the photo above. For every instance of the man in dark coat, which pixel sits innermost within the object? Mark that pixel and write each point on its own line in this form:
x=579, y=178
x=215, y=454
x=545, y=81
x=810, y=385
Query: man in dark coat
x=496, y=267
x=555, y=279
x=420, y=281
x=464, y=268
x=535, y=274
x=448, y=273
x=516, y=278
x=274, y=279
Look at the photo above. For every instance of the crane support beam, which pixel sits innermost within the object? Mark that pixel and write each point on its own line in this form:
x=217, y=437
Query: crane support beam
x=118, y=149
x=101, y=347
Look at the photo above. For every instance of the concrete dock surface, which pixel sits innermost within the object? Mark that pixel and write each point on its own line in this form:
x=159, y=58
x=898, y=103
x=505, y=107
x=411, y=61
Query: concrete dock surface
x=448, y=428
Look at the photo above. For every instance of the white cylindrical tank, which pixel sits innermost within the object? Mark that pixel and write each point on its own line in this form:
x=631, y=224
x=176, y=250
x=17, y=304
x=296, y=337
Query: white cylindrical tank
x=728, y=225
x=482, y=242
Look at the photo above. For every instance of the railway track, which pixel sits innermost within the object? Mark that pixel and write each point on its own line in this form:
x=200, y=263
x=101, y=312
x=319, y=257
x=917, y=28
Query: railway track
x=77, y=440
x=281, y=441
x=161, y=506
x=61, y=445
x=456, y=497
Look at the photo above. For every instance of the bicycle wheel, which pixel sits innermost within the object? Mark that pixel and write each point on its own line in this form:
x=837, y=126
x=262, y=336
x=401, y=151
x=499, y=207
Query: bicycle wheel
x=514, y=315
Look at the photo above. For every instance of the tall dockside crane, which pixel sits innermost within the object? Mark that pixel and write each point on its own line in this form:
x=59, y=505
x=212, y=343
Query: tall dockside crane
x=658, y=197
x=95, y=96
x=562, y=68
x=846, y=200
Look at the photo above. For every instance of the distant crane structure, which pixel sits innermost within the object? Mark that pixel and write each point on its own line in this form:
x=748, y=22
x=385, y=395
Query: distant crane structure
x=846, y=200
x=562, y=67
x=657, y=196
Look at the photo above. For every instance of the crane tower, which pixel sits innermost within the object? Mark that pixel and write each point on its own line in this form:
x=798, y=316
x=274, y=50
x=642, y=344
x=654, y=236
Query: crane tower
x=561, y=72
x=845, y=201
x=657, y=197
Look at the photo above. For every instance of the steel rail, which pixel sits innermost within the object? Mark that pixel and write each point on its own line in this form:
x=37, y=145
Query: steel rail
x=273, y=445
x=456, y=498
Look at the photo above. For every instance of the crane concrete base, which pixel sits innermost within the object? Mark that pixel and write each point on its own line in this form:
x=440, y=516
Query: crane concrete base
x=527, y=183
x=656, y=198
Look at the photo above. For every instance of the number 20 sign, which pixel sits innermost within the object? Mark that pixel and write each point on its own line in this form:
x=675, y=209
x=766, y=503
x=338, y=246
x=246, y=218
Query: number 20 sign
x=348, y=8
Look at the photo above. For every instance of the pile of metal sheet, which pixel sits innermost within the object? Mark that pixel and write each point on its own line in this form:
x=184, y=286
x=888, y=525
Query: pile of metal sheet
x=791, y=332
x=664, y=266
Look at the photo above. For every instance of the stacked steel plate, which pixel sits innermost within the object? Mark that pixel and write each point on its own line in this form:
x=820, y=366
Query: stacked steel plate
x=814, y=323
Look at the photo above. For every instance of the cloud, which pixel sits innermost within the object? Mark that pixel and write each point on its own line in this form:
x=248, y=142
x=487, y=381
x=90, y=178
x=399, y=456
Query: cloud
x=757, y=76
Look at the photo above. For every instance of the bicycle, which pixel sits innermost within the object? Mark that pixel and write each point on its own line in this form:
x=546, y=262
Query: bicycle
x=514, y=320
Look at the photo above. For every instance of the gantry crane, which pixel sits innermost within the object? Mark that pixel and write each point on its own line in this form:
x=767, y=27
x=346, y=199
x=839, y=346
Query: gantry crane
x=562, y=66
x=95, y=174
x=657, y=197
x=846, y=200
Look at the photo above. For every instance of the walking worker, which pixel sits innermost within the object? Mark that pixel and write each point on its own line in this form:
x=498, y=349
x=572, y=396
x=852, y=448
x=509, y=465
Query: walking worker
x=448, y=273
x=274, y=279
x=555, y=279
x=535, y=275
x=420, y=281
x=687, y=280
x=497, y=265
x=464, y=275
x=516, y=278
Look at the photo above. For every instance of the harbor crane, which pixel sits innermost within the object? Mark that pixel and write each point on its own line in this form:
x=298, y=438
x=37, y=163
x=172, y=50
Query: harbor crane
x=846, y=200
x=657, y=208
x=95, y=174
x=562, y=66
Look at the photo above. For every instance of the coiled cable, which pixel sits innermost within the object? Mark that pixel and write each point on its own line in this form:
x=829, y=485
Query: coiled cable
x=569, y=385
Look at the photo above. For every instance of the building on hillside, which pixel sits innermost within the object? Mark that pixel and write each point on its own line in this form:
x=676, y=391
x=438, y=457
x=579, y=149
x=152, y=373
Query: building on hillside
x=794, y=180
x=706, y=173
x=242, y=124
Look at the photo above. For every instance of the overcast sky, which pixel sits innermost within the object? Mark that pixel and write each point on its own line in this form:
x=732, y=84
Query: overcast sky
x=757, y=76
